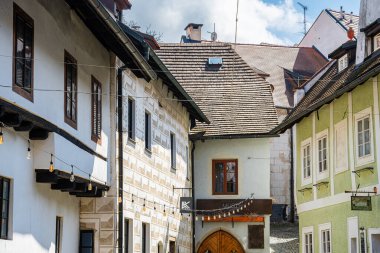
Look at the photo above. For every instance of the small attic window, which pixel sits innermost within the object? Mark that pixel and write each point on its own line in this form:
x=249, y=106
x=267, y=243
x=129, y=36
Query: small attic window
x=342, y=62
x=376, y=42
x=215, y=61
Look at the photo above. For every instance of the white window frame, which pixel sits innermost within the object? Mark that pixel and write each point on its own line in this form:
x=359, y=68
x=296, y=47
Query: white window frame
x=340, y=127
x=308, y=180
x=308, y=230
x=359, y=161
x=319, y=136
x=375, y=38
x=371, y=231
x=321, y=229
x=342, y=62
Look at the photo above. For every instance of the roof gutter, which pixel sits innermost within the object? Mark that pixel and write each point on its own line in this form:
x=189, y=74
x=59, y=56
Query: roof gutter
x=108, y=19
x=232, y=136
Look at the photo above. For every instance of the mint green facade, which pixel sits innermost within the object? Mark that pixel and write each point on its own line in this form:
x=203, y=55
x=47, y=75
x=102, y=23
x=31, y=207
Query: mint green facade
x=321, y=199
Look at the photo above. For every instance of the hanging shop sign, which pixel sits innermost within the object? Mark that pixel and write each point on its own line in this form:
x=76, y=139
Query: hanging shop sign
x=361, y=203
x=186, y=204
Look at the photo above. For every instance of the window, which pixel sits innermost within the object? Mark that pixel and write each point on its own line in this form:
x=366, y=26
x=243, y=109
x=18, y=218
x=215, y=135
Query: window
x=171, y=246
x=342, y=62
x=376, y=42
x=4, y=206
x=131, y=119
x=70, y=90
x=86, y=241
x=23, y=53
x=148, y=134
x=144, y=241
x=187, y=164
x=306, y=156
x=58, y=234
x=325, y=238
x=96, y=91
x=341, y=144
x=307, y=240
x=224, y=176
x=364, y=143
x=128, y=228
x=173, y=151
x=322, y=154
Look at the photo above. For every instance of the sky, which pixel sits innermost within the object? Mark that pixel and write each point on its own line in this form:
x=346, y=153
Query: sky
x=269, y=21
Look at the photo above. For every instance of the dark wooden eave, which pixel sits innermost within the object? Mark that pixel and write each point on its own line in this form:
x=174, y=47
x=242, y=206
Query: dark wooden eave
x=372, y=29
x=258, y=206
x=39, y=128
x=60, y=180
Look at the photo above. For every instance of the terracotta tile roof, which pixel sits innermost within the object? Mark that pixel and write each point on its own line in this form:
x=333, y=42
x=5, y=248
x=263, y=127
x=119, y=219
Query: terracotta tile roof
x=330, y=86
x=235, y=99
x=279, y=62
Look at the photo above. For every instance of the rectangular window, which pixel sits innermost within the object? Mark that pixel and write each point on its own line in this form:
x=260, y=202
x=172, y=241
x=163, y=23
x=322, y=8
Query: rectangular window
x=131, y=119
x=70, y=95
x=342, y=62
x=148, y=132
x=4, y=207
x=96, y=112
x=363, y=137
x=225, y=177
x=325, y=241
x=306, y=161
x=144, y=232
x=322, y=154
x=23, y=26
x=376, y=42
x=58, y=234
x=187, y=163
x=127, y=235
x=308, y=243
x=86, y=241
x=173, y=151
x=171, y=246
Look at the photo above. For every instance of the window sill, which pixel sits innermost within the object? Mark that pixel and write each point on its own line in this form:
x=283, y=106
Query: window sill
x=306, y=181
x=131, y=140
x=148, y=152
x=96, y=139
x=173, y=170
x=364, y=161
x=340, y=171
x=23, y=93
x=224, y=193
x=71, y=123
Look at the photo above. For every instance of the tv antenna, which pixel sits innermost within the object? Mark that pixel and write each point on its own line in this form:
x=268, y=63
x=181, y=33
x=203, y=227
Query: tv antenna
x=304, y=7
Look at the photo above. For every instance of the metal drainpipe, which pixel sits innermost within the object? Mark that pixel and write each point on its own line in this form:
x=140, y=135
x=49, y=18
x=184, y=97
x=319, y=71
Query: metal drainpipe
x=192, y=192
x=292, y=211
x=120, y=148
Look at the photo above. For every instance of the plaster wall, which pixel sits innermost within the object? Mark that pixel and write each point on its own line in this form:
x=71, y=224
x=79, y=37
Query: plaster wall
x=325, y=34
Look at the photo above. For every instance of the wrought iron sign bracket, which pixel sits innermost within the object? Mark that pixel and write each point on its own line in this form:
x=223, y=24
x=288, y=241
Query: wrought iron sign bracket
x=357, y=172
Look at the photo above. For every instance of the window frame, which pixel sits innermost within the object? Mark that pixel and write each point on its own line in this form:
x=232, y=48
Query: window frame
x=319, y=137
x=18, y=12
x=93, y=239
x=148, y=131
x=2, y=180
x=96, y=137
x=131, y=128
x=374, y=38
x=322, y=228
x=359, y=116
x=342, y=63
x=73, y=61
x=188, y=172
x=173, y=151
x=307, y=231
x=341, y=127
x=304, y=144
x=128, y=235
x=225, y=161
x=58, y=234
x=144, y=237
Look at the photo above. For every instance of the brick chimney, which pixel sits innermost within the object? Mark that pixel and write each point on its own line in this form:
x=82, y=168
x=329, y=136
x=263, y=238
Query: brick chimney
x=194, y=31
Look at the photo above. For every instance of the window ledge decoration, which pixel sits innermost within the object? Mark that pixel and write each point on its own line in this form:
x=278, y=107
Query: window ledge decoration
x=319, y=184
x=303, y=190
x=357, y=172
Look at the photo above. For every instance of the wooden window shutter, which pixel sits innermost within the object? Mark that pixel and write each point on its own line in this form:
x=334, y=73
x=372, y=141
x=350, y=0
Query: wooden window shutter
x=255, y=236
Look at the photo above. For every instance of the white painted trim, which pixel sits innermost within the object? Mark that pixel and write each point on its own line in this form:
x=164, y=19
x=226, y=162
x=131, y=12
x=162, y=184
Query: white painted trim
x=315, y=154
x=353, y=232
x=372, y=231
x=341, y=126
x=306, y=181
x=332, y=150
x=321, y=135
x=307, y=230
x=323, y=227
x=295, y=163
x=357, y=117
x=377, y=122
x=351, y=141
x=324, y=202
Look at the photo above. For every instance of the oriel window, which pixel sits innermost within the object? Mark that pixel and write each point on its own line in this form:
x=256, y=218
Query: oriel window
x=23, y=53
x=70, y=96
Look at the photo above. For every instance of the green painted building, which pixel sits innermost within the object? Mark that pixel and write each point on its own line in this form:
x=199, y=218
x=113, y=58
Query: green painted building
x=336, y=126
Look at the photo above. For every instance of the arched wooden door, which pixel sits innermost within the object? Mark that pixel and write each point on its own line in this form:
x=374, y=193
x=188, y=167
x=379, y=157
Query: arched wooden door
x=220, y=242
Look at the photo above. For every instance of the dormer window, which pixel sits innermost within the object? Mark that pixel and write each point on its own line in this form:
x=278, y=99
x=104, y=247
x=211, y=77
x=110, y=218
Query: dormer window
x=376, y=42
x=342, y=62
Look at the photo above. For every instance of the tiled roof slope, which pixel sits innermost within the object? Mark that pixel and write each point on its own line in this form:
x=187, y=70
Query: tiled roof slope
x=236, y=100
x=346, y=22
x=276, y=60
x=330, y=86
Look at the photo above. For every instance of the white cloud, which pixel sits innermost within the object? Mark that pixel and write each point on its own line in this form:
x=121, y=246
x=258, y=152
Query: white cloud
x=258, y=21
